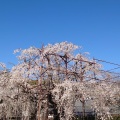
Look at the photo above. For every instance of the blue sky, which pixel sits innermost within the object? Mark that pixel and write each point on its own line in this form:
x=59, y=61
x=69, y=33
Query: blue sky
x=93, y=24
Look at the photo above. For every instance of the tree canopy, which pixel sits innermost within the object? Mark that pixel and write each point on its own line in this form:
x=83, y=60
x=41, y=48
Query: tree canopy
x=61, y=77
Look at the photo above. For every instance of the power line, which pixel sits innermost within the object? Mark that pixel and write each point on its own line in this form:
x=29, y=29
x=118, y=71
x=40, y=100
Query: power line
x=107, y=62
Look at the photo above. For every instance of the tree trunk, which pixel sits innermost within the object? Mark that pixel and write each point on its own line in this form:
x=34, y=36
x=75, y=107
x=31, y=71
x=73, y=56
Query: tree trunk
x=83, y=109
x=39, y=110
